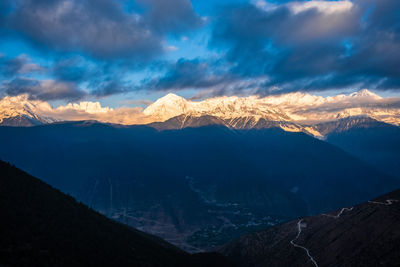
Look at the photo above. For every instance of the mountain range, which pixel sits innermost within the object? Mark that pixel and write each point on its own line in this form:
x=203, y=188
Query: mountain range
x=295, y=112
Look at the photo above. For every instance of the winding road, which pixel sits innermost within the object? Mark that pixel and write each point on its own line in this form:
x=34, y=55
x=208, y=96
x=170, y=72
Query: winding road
x=300, y=225
x=339, y=214
x=298, y=246
x=387, y=203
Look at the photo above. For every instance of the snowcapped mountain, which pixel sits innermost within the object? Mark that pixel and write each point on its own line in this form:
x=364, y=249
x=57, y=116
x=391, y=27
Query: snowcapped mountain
x=167, y=107
x=286, y=107
x=175, y=112
x=222, y=107
x=295, y=112
x=20, y=111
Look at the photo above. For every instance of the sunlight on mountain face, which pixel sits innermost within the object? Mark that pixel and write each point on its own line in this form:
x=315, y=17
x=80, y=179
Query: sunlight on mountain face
x=293, y=107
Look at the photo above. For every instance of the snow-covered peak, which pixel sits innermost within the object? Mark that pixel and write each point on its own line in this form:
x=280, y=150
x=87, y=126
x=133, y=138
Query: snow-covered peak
x=170, y=98
x=364, y=93
x=298, y=108
x=167, y=107
x=223, y=107
x=294, y=99
x=13, y=106
x=293, y=107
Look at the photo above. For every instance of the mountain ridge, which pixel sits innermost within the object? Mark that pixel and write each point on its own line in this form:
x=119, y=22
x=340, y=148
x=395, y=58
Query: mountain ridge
x=20, y=111
x=44, y=227
x=285, y=107
x=319, y=130
x=300, y=110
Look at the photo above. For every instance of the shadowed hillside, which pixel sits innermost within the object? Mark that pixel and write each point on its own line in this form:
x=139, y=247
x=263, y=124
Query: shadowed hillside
x=363, y=235
x=41, y=226
x=374, y=142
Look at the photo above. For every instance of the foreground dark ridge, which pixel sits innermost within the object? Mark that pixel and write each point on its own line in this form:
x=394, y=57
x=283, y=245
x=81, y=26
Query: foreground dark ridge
x=363, y=235
x=40, y=226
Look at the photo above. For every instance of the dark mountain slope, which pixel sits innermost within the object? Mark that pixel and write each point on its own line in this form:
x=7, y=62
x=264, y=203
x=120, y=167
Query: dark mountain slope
x=363, y=235
x=20, y=121
x=195, y=187
x=183, y=121
x=247, y=122
x=345, y=124
x=41, y=226
x=376, y=143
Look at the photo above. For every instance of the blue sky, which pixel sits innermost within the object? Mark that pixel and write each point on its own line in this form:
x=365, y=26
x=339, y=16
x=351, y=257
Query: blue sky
x=119, y=52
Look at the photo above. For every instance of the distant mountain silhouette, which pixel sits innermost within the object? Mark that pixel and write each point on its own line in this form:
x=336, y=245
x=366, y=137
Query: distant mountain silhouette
x=375, y=142
x=196, y=187
x=345, y=124
x=40, y=226
x=363, y=235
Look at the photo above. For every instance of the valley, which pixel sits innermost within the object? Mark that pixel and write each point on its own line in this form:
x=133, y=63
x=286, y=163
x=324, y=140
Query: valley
x=197, y=188
x=36, y=216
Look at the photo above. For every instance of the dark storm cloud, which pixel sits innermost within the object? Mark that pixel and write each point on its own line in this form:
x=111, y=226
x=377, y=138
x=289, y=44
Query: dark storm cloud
x=5, y=6
x=186, y=74
x=275, y=48
x=17, y=73
x=312, y=49
x=103, y=78
x=42, y=90
x=10, y=67
x=174, y=16
x=210, y=75
x=101, y=28
x=5, y=9
x=93, y=43
x=110, y=86
x=309, y=49
x=74, y=69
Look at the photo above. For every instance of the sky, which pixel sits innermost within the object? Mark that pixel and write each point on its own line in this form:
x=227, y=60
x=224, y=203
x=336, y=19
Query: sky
x=129, y=53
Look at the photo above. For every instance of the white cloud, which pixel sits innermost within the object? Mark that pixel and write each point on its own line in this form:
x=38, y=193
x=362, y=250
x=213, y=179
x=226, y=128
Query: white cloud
x=89, y=107
x=94, y=111
x=326, y=7
x=172, y=48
